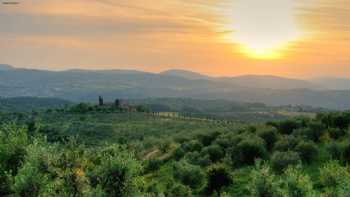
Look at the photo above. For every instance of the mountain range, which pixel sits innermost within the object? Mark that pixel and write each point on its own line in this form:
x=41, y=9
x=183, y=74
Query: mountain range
x=87, y=85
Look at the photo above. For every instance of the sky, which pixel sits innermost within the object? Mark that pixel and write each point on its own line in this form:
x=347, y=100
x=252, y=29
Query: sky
x=294, y=38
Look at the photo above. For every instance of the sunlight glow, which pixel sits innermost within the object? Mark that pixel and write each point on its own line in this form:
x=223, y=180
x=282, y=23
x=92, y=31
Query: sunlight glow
x=262, y=28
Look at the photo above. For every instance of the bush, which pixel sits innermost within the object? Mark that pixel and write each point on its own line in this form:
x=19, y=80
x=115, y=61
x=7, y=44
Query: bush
x=218, y=177
x=288, y=126
x=179, y=190
x=29, y=181
x=269, y=135
x=336, y=133
x=117, y=173
x=196, y=158
x=335, y=150
x=179, y=153
x=248, y=150
x=346, y=153
x=307, y=151
x=282, y=160
x=286, y=143
x=316, y=130
x=215, y=152
x=208, y=138
x=153, y=165
x=193, y=145
x=190, y=175
x=297, y=184
x=263, y=182
x=13, y=144
x=335, y=179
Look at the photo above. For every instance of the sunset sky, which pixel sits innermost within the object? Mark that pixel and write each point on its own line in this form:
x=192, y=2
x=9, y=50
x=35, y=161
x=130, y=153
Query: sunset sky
x=216, y=37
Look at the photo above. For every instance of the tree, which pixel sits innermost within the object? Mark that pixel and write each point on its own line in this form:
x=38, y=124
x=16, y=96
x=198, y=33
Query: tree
x=297, y=184
x=218, y=177
x=117, y=103
x=190, y=175
x=117, y=172
x=307, y=151
x=282, y=160
x=248, y=150
x=269, y=135
x=100, y=100
x=263, y=182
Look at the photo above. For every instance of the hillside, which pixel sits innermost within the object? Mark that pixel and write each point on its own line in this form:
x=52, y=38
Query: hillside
x=84, y=85
x=27, y=104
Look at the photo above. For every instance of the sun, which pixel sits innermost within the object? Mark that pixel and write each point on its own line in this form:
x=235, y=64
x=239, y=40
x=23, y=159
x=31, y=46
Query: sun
x=262, y=29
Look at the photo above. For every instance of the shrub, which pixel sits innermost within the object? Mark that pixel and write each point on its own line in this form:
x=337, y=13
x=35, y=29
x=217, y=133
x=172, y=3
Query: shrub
x=346, y=153
x=248, y=150
x=269, y=135
x=208, y=138
x=335, y=179
x=336, y=133
x=282, y=160
x=118, y=172
x=215, y=152
x=218, y=177
x=197, y=158
x=179, y=190
x=286, y=143
x=288, y=126
x=193, y=145
x=153, y=165
x=13, y=143
x=263, y=182
x=316, y=130
x=179, y=153
x=190, y=175
x=335, y=150
x=297, y=184
x=29, y=181
x=307, y=151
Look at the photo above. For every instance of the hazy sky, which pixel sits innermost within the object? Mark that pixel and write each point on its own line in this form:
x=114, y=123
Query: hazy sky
x=216, y=37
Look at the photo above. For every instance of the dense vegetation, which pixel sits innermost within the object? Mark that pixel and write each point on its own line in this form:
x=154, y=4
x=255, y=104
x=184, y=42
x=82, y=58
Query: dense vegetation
x=87, y=150
x=27, y=104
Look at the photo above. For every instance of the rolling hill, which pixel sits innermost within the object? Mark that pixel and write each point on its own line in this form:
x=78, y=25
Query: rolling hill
x=84, y=85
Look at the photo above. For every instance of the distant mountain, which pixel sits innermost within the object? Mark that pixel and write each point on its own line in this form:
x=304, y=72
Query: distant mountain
x=269, y=82
x=184, y=74
x=85, y=85
x=333, y=83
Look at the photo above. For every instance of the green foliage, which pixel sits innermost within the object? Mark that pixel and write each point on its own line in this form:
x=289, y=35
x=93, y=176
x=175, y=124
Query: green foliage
x=297, y=184
x=335, y=179
x=335, y=150
x=215, y=152
x=190, y=175
x=269, y=135
x=336, y=133
x=288, y=126
x=116, y=172
x=66, y=153
x=248, y=150
x=282, y=160
x=308, y=151
x=286, y=143
x=218, y=177
x=263, y=182
x=13, y=142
